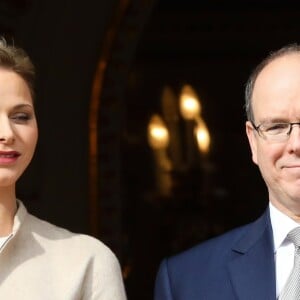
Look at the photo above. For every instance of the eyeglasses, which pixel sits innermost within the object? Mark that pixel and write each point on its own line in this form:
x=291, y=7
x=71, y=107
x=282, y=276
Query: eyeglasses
x=275, y=132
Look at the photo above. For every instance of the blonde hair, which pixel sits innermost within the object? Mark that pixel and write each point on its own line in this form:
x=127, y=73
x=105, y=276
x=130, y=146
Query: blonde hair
x=17, y=60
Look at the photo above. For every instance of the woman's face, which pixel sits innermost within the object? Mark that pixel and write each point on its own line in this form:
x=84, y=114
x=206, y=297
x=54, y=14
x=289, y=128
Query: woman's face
x=18, y=127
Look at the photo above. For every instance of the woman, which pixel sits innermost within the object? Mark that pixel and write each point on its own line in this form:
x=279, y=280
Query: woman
x=39, y=260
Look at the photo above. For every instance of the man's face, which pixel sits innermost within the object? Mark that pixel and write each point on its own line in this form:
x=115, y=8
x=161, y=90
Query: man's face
x=276, y=97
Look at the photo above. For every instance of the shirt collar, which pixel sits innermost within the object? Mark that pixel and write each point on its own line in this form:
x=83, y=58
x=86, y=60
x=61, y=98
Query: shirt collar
x=281, y=225
x=19, y=217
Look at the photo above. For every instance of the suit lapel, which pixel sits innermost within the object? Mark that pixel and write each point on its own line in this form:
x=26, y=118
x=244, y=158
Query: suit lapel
x=252, y=268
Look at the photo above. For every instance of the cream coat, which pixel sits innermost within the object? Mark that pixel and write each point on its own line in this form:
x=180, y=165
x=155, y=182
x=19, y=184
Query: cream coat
x=43, y=261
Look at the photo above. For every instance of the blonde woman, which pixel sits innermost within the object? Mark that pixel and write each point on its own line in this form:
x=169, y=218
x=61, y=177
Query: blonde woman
x=39, y=260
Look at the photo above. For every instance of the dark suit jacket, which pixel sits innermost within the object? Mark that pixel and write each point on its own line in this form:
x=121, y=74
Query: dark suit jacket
x=236, y=265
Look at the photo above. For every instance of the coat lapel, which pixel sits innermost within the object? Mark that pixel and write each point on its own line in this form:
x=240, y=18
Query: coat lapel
x=252, y=269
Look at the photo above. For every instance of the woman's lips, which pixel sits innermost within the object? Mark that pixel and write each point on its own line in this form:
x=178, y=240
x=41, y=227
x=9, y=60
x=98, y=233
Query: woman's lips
x=8, y=157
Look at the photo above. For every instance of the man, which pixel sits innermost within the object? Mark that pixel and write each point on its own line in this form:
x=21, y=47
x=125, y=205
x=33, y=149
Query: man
x=254, y=261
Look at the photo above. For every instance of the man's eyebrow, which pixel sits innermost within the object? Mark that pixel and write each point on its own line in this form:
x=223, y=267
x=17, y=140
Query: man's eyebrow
x=275, y=120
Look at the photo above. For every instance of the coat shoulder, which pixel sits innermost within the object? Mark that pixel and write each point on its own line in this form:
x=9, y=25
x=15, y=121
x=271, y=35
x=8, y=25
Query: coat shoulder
x=218, y=251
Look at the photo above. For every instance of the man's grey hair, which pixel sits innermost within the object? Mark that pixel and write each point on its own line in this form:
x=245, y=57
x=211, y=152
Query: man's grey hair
x=289, y=49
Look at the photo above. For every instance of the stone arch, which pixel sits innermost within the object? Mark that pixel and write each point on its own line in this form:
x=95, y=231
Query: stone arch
x=105, y=125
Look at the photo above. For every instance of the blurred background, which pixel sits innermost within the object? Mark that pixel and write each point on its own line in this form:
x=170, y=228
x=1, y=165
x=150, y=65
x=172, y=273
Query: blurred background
x=140, y=109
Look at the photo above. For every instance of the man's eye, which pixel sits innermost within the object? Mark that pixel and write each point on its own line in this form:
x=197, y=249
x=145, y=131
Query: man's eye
x=21, y=117
x=279, y=127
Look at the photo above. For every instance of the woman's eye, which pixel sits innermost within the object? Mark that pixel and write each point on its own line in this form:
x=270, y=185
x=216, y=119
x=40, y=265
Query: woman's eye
x=21, y=117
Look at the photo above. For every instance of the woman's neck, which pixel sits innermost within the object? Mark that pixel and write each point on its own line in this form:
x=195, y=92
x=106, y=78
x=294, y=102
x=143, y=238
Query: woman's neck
x=8, y=208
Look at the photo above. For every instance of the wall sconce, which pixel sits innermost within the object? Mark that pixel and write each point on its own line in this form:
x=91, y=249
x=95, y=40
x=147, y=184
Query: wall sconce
x=165, y=136
x=158, y=134
x=202, y=136
x=189, y=103
x=158, y=138
x=190, y=109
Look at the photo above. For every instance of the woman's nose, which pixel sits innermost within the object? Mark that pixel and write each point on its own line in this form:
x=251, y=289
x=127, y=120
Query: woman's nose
x=6, y=132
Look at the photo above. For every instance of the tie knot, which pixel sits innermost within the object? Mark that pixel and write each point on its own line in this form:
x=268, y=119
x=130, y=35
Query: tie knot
x=294, y=236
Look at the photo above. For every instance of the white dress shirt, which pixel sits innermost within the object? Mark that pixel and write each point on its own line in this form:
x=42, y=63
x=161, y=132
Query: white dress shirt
x=283, y=249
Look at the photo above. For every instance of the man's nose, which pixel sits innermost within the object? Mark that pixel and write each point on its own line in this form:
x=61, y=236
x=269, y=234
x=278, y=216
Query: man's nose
x=294, y=139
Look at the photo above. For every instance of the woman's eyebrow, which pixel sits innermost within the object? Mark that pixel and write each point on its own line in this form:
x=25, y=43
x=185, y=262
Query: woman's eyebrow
x=23, y=105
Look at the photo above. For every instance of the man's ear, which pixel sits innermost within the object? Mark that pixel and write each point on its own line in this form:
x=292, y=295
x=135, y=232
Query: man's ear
x=252, y=140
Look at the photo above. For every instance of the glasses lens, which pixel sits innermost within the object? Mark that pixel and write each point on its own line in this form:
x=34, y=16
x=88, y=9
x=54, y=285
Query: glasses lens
x=275, y=131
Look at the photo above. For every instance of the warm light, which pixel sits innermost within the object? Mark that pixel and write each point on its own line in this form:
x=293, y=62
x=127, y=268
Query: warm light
x=158, y=135
x=203, y=138
x=190, y=107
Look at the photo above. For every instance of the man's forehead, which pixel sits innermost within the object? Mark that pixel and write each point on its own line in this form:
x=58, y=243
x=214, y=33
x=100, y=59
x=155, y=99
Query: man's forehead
x=288, y=62
x=281, y=72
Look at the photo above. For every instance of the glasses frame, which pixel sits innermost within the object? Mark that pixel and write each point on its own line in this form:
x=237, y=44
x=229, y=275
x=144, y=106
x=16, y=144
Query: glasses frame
x=262, y=135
